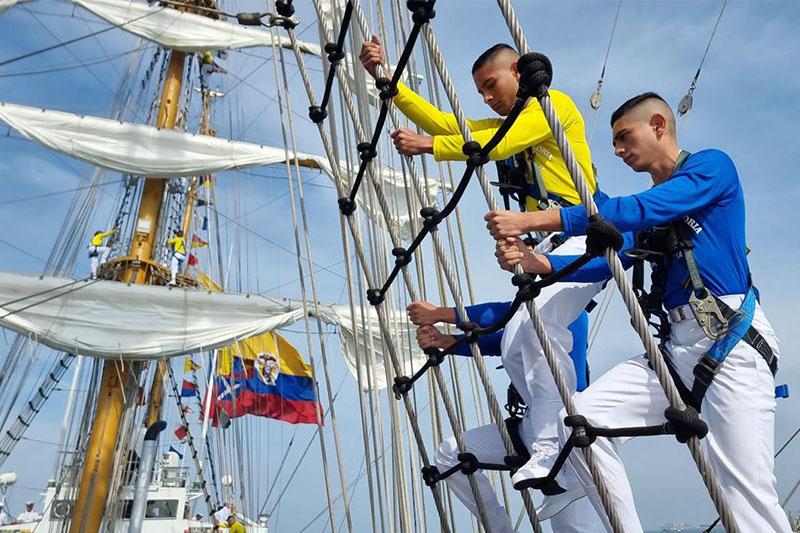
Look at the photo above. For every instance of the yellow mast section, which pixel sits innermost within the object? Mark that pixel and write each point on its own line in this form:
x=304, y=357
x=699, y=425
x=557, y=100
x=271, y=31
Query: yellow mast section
x=96, y=475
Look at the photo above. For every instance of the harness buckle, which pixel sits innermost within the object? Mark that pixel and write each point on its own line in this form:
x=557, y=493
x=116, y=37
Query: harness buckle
x=706, y=368
x=709, y=315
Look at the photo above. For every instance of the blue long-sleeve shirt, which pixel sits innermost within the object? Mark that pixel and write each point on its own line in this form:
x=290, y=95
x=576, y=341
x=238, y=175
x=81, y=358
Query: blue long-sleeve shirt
x=489, y=313
x=707, y=195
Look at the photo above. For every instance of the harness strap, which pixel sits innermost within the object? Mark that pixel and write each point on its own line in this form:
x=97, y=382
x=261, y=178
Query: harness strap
x=740, y=329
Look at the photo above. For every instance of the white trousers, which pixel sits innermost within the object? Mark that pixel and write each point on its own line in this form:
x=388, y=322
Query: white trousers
x=559, y=306
x=523, y=359
x=739, y=409
x=485, y=443
x=99, y=255
x=175, y=264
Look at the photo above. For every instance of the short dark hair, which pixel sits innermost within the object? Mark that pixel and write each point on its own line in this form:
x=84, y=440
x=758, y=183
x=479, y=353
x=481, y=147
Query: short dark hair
x=489, y=54
x=633, y=102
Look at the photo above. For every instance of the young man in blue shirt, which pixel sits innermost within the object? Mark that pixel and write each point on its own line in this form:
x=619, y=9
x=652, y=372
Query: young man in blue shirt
x=704, y=194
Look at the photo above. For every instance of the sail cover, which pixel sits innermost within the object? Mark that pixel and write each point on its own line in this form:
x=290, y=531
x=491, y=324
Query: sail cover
x=119, y=321
x=369, y=351
x=186, y=32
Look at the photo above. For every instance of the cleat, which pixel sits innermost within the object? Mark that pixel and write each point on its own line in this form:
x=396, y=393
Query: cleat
x=552, y=505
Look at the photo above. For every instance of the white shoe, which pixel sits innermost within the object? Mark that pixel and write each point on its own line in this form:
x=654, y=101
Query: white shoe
x=543, y=456
x=172, y=283
x=552, y=505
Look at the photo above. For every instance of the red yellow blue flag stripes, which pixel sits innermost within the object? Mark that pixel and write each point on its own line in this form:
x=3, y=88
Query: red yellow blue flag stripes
x=264, y=376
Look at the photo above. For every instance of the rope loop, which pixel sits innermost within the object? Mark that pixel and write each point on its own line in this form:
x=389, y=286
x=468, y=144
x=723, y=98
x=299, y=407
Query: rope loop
x=366, y=151
x=335, y=53
x=527, y=289
x=535, y=75
x=422, y=10
x=386, y=89
x=581, y=436
x=469, y=463
x=471, y=332
x=686, y=423
x=375, y=297
x=347, y=206
x=431, y=475
x=402, y=256
x=317, y=114
x=602, y=235
x=430, y=218
x=285, y=8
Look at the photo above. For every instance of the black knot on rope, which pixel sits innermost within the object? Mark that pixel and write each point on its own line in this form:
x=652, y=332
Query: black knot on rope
x=602, y=235
x=526, y=287
x=435, y=356
x=685, y=423
x=475, y=158
x=335, y=54
x=385, y=89
x=469, y=463
x=422, y=10
x=535, y=75
x=402, y=257
x=374, y=296
x=347, y=206
x=317, y=114
x=284, y=8
x=402, y=385
x=430, y=218
x=581, y=437
x=430, y=475
x=470, y=333
x=366, y=151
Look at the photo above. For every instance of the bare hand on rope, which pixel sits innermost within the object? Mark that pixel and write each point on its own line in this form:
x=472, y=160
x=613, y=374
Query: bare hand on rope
x=502, y=224
x=372, y=55
x=422, y=313
x=511, y=251
x=409, y=142
x=430, y=337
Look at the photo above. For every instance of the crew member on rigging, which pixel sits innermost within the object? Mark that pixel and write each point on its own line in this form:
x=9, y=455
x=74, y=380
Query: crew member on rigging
x=497, y=80
x=485, y=441
x=98, y=253
x=721, y=348
x=178, y=247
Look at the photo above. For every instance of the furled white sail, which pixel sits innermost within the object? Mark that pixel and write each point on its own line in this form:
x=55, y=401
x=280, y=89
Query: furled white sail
x=187, y=32
x=5, y=4
x=119, y=321
x=374, y=369
x=143, y=150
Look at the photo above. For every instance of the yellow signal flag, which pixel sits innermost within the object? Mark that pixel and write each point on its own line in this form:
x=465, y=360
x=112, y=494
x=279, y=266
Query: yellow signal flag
x=189, y=365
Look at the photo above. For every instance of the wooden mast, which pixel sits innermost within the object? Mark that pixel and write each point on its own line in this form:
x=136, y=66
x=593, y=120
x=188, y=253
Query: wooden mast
x=96, y=475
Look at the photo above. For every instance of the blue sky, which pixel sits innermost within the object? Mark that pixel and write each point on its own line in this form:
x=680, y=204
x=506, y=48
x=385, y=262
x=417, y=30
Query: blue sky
x=745, y=104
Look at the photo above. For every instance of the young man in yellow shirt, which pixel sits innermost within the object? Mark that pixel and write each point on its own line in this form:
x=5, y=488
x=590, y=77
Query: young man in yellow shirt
x=497, y=81
x=98, y=254
x=178, y=247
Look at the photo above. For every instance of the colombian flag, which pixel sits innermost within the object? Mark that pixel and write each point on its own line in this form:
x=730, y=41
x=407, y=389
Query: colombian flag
x=264, y=376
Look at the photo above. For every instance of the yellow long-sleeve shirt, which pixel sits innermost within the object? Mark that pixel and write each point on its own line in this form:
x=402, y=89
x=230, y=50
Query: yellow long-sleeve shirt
x=97, y=240
x=530, y=130
x=177, y=244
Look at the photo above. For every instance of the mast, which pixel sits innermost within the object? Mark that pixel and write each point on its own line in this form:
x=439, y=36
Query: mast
x=96, y=475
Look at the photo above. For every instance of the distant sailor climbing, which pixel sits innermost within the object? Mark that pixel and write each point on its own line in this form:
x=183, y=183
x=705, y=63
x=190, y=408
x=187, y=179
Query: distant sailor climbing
x=547, y=184
x=178, y=254
x=98, y=253
x=719, y=346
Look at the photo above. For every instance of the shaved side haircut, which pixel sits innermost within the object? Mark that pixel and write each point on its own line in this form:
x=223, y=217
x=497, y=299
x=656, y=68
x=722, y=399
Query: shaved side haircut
x=656, y=105
x=491, y=54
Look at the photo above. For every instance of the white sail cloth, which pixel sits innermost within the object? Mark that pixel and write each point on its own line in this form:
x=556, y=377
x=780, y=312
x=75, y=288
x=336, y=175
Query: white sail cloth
x=119, y=321
x=369, y=353
x=143, y=150
x=5, y=4
x=186, y=32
